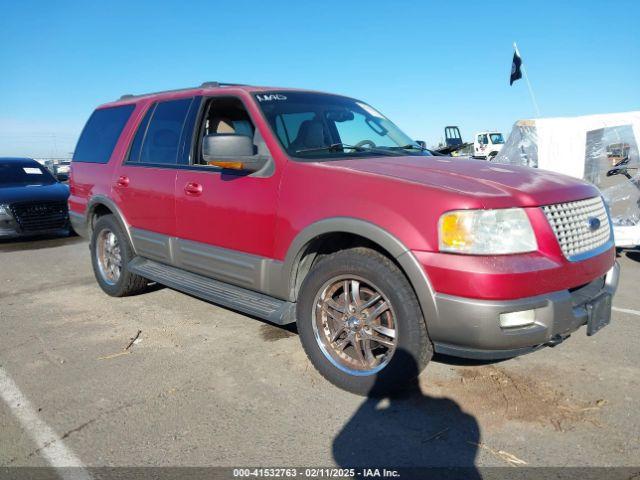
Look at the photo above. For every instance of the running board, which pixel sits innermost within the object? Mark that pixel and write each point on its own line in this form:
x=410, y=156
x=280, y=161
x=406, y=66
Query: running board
x=237, y=298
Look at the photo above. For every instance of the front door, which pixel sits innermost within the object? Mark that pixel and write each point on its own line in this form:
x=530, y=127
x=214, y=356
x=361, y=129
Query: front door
x=225, y=219
x=480, y=145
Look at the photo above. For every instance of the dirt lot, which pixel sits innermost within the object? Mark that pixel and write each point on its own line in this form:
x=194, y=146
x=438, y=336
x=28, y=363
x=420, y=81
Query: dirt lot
x=208, y=386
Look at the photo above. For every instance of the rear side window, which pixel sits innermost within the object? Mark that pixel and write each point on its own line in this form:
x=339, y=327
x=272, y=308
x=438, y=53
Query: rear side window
x=101, y=133
x=136, y=145
x=163, y=132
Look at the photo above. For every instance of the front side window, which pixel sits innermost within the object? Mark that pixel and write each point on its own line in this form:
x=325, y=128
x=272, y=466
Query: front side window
x=226, y=117
x=101, y=133
x=496, y=138
x=482, y=139
x=316, y=126
x=160, y=138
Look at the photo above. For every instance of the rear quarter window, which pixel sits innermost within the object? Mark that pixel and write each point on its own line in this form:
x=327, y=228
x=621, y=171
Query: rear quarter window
x=101, y=133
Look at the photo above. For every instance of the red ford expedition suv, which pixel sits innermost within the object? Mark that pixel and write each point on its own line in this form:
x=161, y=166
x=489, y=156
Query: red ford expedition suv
x=306, y=207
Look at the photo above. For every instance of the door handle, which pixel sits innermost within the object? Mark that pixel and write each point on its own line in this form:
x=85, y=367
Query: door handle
x=193, y=189
x=123, y=181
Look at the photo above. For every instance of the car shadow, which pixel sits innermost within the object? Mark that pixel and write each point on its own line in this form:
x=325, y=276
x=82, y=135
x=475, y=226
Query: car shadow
x=40, y=242
x=414, y=433
x=633, y=255
x=464, y=362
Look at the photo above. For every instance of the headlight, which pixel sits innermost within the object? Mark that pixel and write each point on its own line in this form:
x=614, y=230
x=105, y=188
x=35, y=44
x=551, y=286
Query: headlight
x=486, y=232
x=4, y=210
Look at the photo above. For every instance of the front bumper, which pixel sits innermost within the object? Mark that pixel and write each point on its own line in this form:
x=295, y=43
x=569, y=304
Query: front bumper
x=470, y=328
x=627, y=236
x=79, y=223
x=12, y=233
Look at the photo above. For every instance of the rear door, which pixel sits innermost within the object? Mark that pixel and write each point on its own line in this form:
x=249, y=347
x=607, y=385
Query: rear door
x=144, y=185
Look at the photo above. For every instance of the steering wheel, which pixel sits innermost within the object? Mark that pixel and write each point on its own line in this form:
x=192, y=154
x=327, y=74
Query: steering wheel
x=365, y=142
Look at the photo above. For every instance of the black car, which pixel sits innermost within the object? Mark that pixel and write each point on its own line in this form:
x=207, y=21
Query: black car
x=32, y=201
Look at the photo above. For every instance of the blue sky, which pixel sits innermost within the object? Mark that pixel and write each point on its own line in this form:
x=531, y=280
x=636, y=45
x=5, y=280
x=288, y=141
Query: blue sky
x=424, y=64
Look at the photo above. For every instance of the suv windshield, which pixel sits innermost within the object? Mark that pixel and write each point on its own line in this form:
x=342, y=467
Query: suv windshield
x=317, y=126
x=496, y=138
x=23, y=174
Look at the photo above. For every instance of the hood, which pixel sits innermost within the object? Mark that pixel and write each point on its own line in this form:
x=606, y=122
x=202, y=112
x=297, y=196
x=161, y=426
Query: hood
x=495, y=185
x=35, y=193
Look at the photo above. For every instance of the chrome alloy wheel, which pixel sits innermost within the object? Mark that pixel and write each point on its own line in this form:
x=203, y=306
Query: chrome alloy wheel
x=109, y=256
x=354, y=325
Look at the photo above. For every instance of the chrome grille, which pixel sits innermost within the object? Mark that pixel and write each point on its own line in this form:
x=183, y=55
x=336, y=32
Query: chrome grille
x=573, y=223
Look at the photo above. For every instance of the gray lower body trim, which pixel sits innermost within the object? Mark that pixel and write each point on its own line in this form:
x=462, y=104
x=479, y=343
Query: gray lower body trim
x=155, y=246
x=478, y=354
x=241, y=299
x=470, y=328
x=229, y=266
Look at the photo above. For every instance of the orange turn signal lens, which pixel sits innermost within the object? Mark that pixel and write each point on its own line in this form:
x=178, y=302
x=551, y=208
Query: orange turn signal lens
x=229, y=165
x=454, y=231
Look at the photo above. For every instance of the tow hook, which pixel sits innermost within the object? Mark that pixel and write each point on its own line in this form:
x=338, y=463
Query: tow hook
x=556, y=340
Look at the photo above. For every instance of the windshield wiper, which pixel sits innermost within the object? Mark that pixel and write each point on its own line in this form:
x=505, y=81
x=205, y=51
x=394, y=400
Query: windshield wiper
x=412, y=147
x=337, y=147
x=334, y=147
x=417, y=147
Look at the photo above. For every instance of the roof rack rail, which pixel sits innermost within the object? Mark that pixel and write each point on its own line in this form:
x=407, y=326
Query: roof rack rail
x=129, y=96
x=222, y=84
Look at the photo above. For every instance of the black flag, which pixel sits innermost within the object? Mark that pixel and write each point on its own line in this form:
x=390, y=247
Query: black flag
x=515, y=68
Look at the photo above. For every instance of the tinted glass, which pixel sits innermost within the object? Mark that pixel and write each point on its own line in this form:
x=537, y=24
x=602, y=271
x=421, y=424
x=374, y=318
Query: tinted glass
x=357, y=129
x=21, y=174
x=288, y=125
x=101, y=134
x=318, y=126
x=162, y=140
x=136, y=145
x=184, y=155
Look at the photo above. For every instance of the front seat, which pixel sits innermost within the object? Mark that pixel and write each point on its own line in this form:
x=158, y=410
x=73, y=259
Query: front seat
x=310, y=135
x=222, y=125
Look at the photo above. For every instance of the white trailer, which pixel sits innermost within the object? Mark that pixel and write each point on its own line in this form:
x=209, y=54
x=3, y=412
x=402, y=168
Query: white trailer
x=602, y=149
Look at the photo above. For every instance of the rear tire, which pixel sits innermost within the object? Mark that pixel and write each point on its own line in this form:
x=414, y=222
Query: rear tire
x=110, y=254
x=333, y=303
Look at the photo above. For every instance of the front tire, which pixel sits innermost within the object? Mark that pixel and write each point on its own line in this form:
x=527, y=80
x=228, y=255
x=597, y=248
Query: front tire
x=110, y=254
x=360, y=323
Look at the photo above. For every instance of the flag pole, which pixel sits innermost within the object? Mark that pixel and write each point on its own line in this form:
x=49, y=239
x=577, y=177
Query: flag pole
x=526, y=77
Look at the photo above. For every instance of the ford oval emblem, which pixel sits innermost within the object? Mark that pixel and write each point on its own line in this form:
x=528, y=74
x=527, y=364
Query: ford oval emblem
x=594, y=223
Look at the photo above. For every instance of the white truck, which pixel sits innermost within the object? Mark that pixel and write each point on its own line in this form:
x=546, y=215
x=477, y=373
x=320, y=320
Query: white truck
x=486, y=145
